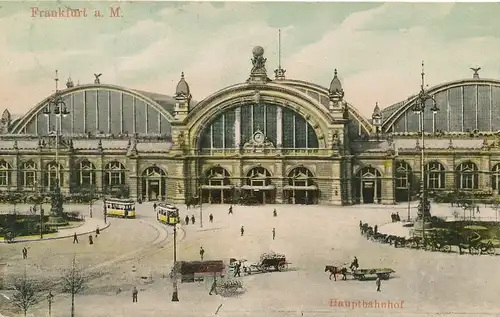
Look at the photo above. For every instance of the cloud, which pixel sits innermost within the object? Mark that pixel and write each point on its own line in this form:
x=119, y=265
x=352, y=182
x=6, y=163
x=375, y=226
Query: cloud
x=376, y=48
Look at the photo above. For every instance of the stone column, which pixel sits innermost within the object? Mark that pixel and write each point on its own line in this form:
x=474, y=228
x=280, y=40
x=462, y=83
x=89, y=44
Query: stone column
x=237, y=127
x=336, y=187
x=15, y=173
x=176, y=188
x=388, y=183
x=131, y=176
x=279, y=127
x=347, y=183
x=485, y=176
x=278, y=181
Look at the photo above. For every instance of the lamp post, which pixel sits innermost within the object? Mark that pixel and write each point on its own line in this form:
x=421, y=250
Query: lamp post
x=409, y=194
x=175, y=294
x=200, y=193
x=419, y=109
x=49, y=299
x=42, y=212
x=58, y=107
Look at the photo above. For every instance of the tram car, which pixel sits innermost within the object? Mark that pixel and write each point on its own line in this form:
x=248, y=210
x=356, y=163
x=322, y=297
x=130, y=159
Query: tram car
x=124, y=208
x=167, y=214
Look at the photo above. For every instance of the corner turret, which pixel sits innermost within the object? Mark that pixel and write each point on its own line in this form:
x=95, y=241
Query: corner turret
x=182, y=99
x=377, y=118
x=335, y=93
x=5, y=121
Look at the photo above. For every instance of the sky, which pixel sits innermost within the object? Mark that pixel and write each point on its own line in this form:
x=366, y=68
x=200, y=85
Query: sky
x=377, y=48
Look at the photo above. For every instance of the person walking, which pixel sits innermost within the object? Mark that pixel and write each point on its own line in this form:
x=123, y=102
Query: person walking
x=230, y=210
x=186, y=219
x=377, y=282
x=90, y=211
x=242, y=230
x=275, y=213
x=213, y=288
x=274, y=233
x=134, y=295
x=91, y=241
x=237, y=269
x=25, y=253
x=202, y=252
x=154, y=206
x=97, y=231
x=211, y=218
x=75, y=238
x=193, y=219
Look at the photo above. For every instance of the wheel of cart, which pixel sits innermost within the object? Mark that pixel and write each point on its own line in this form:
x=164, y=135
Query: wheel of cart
x=283, y=266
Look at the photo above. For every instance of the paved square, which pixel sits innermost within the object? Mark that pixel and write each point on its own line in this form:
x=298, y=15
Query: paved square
x=425, y=283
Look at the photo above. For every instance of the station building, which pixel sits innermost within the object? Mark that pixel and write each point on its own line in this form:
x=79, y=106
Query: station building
x=279, y=140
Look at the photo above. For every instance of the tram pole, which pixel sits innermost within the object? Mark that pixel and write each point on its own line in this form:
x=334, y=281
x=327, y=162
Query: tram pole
x=175, y=294
x=201, y=207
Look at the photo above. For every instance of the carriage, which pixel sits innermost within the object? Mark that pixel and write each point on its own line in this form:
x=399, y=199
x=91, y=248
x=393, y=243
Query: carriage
x=268, y=262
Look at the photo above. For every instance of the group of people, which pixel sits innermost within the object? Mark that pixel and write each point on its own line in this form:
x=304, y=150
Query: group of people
x=91, y=239
x=395, y=217
x=193, y=219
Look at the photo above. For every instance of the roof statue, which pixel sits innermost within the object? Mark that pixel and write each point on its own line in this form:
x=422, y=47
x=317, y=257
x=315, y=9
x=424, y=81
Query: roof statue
x=258, y=74
x=476, y=74
x=69, y=83
x=96, y=80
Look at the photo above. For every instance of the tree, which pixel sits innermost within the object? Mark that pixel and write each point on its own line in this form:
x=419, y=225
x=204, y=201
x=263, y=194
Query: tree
x=25, y=293
x=73, y=283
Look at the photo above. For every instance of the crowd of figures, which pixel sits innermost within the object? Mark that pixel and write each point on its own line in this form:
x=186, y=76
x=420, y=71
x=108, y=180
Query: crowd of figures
x=433, y=240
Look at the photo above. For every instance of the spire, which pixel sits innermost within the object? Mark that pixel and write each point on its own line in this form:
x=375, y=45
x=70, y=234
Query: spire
x=279, y=73
x=56, y=79
x=422, y=85
x=182, y=87
x=376, y=116
x=335, y=93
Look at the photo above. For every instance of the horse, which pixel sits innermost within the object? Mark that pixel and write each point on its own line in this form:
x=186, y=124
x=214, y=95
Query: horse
x=334, y=270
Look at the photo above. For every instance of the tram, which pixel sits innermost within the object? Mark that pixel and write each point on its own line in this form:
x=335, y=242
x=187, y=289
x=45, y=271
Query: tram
x=167, y=214
x=124, y=208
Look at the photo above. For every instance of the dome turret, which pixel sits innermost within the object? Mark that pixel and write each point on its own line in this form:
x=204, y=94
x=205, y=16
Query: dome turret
x=377, y=116
x=336, y=85
x=182, y=87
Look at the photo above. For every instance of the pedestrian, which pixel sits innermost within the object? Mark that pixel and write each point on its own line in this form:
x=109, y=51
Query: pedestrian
x=202, y=252
x=75, y=238
x=97, y=231
x=213, y=288
x=154, y=206
x=211, y=218
x=230, y=210
x=242, y=230
x=377, y=282
x=90, y=211
x=275, y=213
x=237, y=269
x=274, y=233
x=134, y=295
x=25, y=253
x=375, y=229
x=91, y=241
x=193, y=219
x=186, y=219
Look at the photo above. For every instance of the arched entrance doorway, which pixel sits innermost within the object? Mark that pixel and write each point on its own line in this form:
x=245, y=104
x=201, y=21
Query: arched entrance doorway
x=301, y=188
x=403, y=181
x=258, y=185
x=153, y=183
x=217, y=188
x=368, y=185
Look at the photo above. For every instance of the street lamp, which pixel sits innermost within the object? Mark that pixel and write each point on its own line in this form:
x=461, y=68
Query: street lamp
x=175, y=294
x=408, y=187
x=200, y=194
x=58, y=107
x=419, y=108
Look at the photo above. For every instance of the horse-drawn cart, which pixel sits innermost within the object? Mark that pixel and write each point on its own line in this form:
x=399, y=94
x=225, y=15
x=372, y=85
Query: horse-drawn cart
x=269, y=262
x=363, y=274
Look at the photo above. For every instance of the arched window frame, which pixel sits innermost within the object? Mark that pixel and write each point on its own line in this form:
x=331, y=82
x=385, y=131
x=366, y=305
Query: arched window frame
x=217, y=176
x=300, y=176
x=258, y=176
x=87, y=173
x=51, y=175
x=403, y=175
x=5, y=173
x=495, y=177
x=28, y=174
x=467, y=176
x=115, y=172
x=435, y=175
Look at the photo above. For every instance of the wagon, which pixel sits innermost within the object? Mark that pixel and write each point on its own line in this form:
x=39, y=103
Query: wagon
x=364, y=274
x=269, y=262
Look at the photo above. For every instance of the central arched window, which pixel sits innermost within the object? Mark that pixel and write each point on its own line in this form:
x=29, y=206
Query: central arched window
x=114, y=174
x=275, y=126
x=403, y=175
x=28, y=174
x=258, y=176
x=435, y=175
x=87, y=174
x=467, y=176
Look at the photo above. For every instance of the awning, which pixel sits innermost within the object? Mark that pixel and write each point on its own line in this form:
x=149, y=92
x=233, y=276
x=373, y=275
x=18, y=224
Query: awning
x=217, y=187
x=310, y=187
x=248, y=187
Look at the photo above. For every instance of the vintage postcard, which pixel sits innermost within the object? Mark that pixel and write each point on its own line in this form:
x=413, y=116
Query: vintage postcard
x=237, y=159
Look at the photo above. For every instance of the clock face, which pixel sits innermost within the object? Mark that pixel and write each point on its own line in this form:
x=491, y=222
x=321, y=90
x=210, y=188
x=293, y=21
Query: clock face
x=258, y=137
